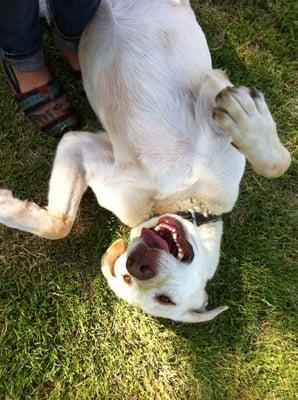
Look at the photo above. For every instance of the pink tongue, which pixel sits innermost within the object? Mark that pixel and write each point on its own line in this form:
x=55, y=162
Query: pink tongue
x=153, y=240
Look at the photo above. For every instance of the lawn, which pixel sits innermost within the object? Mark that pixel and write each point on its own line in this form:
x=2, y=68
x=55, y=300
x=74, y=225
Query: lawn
x=63, y=333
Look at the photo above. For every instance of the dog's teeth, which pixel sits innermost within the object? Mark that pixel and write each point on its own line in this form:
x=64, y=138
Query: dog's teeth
x=168, y=227
x=157, y=228
x=180, y=254
x=174, y=235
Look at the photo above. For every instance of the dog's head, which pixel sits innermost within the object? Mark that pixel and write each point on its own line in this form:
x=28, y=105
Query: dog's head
x=166, y=267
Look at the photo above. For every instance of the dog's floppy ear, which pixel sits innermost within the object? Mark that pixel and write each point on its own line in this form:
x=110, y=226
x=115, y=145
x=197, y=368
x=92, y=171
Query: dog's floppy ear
x=111, y=255
x=198, y=316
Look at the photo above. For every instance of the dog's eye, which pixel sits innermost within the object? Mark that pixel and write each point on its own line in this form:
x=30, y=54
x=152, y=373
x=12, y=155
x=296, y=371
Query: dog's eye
x=127, y=279
x=163, y=299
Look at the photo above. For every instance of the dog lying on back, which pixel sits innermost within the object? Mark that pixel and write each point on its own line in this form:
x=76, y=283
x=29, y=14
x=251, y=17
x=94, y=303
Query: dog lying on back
x=170, y=162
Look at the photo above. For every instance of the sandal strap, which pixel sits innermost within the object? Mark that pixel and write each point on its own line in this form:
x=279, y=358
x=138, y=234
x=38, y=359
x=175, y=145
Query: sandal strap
x=63, y=126
x=46, y=106
x=39, y=96
x=50, y=113
x=10, y=76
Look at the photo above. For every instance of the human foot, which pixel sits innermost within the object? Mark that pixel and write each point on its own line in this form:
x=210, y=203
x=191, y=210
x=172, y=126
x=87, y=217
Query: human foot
x=42, y=100
x=31, y=80
x=73, y=60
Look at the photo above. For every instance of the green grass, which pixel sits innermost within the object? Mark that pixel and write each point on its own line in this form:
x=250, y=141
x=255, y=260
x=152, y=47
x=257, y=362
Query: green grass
x=64, y=335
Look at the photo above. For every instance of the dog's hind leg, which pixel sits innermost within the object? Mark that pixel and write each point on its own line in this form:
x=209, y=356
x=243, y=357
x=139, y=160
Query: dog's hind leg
x=243, y=114
x=67, y=186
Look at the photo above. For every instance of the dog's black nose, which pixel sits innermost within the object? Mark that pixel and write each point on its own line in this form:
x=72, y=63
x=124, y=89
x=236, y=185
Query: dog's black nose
x=140, y=264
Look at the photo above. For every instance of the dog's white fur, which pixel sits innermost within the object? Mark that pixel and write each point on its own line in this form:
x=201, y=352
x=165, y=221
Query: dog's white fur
x=148, y=76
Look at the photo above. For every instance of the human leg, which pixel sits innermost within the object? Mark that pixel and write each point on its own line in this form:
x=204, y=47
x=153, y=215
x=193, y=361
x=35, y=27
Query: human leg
x=24, y=66
x=69, y=18
x=21, y=44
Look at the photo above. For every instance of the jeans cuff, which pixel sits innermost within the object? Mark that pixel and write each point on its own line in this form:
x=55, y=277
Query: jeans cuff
x=28, y=62
x=68, y=44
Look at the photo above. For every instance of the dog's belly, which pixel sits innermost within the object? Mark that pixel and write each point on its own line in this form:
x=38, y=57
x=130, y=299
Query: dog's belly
x=142, y=64
x=134, y=65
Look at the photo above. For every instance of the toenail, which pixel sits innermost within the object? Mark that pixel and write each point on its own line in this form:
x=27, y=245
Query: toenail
x=254, y=92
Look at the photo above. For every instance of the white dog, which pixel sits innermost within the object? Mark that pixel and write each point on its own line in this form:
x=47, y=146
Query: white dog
x=171, y=161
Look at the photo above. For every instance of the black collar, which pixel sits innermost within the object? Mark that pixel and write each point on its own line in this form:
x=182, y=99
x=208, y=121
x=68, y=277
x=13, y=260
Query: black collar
x=198, y=218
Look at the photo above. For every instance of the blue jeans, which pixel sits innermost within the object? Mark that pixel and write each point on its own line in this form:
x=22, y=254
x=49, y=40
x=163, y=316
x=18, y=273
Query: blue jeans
x=20, y=30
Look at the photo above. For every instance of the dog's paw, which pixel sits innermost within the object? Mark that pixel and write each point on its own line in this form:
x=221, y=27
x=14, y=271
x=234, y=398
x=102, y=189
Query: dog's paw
x=243, y=114
x=10, y=207
x=5, y=194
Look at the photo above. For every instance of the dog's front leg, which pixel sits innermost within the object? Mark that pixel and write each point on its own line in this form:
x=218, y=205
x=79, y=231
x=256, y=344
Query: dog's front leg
x=244, y=115
x=67, y=186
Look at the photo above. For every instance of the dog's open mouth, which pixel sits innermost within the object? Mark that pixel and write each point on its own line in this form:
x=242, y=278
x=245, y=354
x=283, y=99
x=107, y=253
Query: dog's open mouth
x=169, y=235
